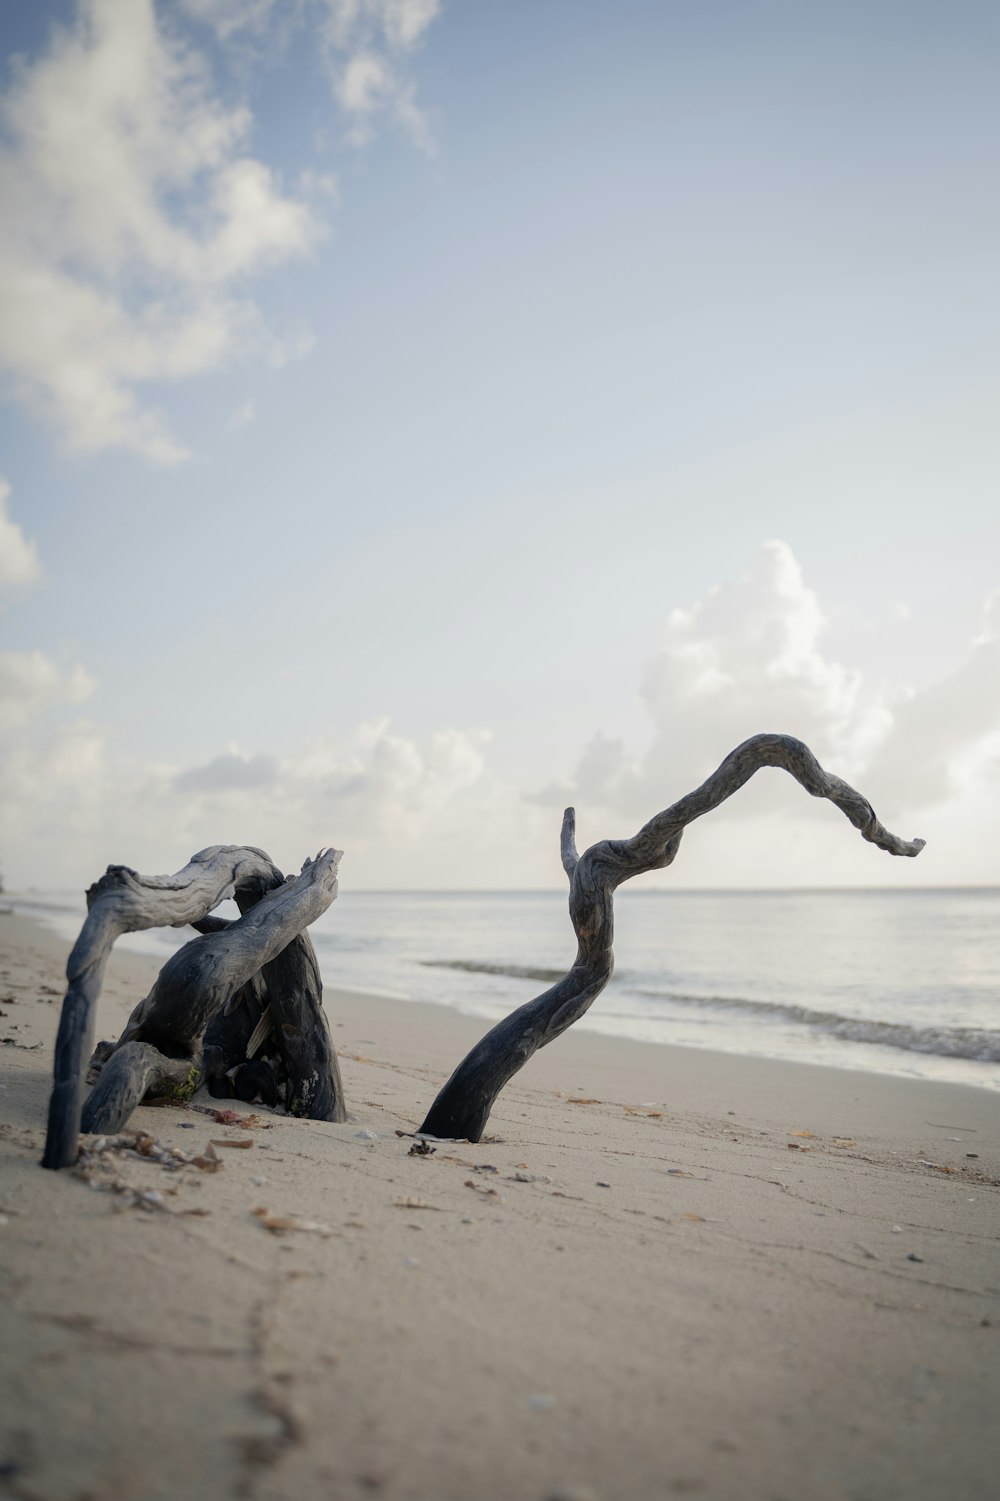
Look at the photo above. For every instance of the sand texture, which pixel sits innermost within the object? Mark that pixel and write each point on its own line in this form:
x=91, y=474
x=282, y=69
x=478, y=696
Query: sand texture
x=665, y=1273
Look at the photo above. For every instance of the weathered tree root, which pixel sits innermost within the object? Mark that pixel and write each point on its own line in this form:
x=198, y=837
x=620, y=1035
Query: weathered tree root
x=161, y=1048
x=463, y=1106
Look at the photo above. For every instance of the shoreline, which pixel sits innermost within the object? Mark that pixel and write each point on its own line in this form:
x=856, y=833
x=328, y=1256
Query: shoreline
x=666, y=1272
x=857, y=1057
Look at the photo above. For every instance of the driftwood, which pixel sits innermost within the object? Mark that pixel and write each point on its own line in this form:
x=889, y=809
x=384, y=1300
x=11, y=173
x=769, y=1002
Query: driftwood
x=160, y=1050
x=463, y=1106
x=277, y=1015
x=240, y=1007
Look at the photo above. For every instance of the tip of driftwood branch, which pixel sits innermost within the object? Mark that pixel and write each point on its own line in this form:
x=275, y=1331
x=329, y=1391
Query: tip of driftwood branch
x=567, y=842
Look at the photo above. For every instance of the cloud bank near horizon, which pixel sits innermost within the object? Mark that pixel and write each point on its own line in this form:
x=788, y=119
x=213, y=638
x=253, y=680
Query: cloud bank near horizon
x=745, y=657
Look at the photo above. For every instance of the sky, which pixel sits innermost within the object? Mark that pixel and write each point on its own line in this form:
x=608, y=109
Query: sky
x=417, y=415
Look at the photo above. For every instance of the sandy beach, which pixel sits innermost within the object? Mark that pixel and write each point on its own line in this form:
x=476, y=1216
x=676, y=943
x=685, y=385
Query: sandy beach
x=666, y=1272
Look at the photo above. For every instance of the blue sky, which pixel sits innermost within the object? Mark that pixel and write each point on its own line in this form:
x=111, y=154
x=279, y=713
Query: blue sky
x=416, y=414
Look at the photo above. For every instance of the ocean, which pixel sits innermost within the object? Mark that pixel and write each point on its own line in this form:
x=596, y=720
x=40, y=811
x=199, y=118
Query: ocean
x=891, y=981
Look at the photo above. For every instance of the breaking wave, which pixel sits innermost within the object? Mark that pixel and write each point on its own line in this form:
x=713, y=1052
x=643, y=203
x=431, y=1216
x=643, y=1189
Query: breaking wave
x=513, y=971
x=979, y=1044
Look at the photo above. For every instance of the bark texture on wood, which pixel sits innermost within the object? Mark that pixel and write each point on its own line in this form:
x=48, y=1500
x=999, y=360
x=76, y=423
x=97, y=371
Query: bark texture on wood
x=194, y=985
x=463, y=1106
x=301, y=1033
x=282, y=1006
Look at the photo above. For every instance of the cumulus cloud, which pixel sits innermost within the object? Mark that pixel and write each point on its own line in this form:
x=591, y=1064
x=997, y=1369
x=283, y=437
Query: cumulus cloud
x=944, y=740
x=133, y=216
x=750, y=656
x=374, y=792
x=135, y=213
x=31, y=682
x=364, y=44
x=232, y=772
x=746, y=657
x=19, y=563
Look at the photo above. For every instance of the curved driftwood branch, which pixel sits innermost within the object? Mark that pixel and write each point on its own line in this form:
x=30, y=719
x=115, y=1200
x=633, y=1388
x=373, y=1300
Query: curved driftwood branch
x=123, y=901
x=463, y=1106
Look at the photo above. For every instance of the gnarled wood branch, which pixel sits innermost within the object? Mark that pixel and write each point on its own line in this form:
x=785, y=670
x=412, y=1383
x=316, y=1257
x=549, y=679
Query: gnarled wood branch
x=463, y=1106
x=189, y=991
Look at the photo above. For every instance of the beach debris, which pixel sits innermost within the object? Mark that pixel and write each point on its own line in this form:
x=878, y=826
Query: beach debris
x=811, y=1135
x=410, y=1203
x=895, y=1229
x=697, y=1219
x=541, y=1401
x=844, y=1141
x=520, y=1177
x=601, y=1184
x=678, y=1172
x=972, y=1154
x=481, y=1189
x=421, y=1149
x=484, y=1167
x=912, y=1256
x=278, y=1224
x=365, y=1135
x=100, y=1164
x=582, y=1100
x=939, y=1167
x=26, y=1047
x=223, y=1117
x=221, y=1141
x=141, y=1144
x=429, y=1136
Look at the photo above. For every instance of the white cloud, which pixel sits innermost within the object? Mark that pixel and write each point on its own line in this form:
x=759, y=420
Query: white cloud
x=19, y=563
x=745, y=658
x=749, y=657
x=943, y=740
x=365, y=45
x=31, y=682
x=232, y=772
x=374, y=793
x=133, y=215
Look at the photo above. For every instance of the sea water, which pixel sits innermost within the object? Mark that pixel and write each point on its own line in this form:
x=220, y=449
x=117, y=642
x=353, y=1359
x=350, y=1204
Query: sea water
x=892, y=980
